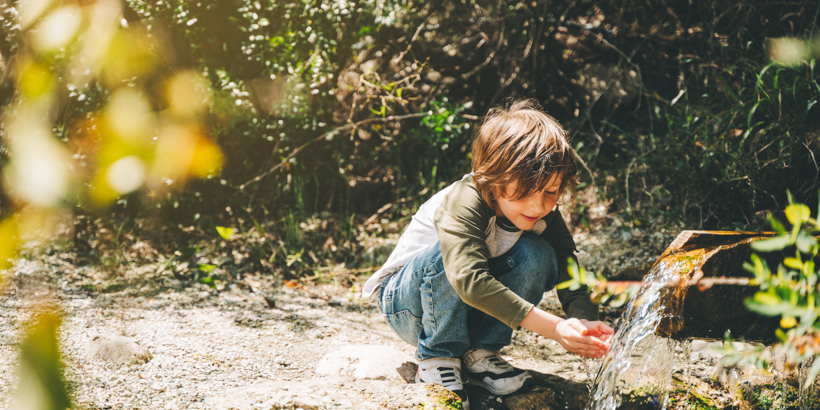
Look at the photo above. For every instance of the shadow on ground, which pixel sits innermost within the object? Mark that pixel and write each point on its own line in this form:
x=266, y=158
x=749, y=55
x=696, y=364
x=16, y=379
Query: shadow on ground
x=545, y=392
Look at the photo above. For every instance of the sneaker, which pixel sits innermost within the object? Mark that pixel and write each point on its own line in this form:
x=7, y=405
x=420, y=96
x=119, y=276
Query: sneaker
x=488, y=370
x=445, y=371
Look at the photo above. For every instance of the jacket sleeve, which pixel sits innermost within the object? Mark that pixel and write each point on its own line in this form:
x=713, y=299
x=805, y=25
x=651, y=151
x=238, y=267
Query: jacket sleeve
x=461, y=224
x=576, y=303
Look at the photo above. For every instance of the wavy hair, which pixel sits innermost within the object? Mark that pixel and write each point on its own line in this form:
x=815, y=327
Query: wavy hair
x=520, y=145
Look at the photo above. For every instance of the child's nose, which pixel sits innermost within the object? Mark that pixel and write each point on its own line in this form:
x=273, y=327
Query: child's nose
x=537, y=206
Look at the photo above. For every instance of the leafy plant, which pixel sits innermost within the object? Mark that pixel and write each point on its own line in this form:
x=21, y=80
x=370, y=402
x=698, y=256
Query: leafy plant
x=792, y=291
x=602, y=290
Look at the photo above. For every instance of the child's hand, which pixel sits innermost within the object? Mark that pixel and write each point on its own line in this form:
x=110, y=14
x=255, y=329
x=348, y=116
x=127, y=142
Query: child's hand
x=584, y=338
x=600, y=330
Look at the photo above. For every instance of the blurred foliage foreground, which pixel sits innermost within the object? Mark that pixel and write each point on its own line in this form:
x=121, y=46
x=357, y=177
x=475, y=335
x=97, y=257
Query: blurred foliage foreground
x=291, y=137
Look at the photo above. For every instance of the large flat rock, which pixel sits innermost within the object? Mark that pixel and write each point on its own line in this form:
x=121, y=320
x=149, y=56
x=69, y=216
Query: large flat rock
x=370, y=362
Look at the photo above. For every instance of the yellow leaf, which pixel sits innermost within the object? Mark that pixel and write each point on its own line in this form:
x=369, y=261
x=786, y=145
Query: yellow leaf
x=9, y=237
x=788, y=322
x=767, y=299
x=793, y=263
x=207, y=158
x=225, y=232
x=798, y=213
x=101, y=192
x=35, y=80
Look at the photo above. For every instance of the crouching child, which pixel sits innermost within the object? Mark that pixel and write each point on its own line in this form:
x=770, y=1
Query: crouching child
x=478, y=256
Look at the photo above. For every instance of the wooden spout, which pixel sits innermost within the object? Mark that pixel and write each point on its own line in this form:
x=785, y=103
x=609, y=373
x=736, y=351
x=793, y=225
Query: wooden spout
x=698, y=312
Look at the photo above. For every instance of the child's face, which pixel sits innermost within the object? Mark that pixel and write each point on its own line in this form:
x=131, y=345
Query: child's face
x=526, y=212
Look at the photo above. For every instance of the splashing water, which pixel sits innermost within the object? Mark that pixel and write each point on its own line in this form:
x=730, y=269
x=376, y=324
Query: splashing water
x=809, y=393
x=638, y=367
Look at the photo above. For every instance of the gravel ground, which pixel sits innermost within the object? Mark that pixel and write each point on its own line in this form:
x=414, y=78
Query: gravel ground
x=208, y=345
x=256, y=344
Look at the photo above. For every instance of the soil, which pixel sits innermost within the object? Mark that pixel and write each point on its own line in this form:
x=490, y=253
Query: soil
x=257, y=342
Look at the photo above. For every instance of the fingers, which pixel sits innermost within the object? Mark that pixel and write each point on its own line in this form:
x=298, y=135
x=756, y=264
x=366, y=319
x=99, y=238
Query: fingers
x=587, y=343
x=588, y=339
x=587, y=351
x=597, y=328
x=578, y=326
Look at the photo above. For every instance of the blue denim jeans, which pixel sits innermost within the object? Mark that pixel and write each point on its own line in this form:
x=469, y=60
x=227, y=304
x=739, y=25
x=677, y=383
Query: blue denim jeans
x=420, y=305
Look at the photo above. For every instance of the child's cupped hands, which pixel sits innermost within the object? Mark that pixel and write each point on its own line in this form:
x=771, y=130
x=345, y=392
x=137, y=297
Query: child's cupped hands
x=583, y=337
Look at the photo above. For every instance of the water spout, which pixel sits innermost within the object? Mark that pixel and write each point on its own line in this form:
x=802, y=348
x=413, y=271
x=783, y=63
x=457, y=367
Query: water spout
x=637, y=371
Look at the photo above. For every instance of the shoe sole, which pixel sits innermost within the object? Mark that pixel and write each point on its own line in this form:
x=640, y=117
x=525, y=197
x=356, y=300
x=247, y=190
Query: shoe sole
x=469, y=380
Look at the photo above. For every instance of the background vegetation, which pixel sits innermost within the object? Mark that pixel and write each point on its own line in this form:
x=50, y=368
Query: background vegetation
x=334, y=120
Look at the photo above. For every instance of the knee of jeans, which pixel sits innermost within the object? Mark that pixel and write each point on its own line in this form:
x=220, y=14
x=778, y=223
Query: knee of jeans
x=534, y=253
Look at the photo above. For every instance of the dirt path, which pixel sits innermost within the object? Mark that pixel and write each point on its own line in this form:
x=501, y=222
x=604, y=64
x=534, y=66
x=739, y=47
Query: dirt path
x=255, y=344
x=236, y=349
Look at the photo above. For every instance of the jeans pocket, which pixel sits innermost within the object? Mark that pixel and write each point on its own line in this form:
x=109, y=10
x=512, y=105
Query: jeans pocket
x=406, y=325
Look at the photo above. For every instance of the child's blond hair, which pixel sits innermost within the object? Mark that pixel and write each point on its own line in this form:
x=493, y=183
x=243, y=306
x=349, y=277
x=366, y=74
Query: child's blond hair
x=520, y=145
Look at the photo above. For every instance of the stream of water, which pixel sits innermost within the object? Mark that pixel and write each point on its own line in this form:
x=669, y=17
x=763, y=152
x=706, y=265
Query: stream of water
x=636, y=372
x=638, y=367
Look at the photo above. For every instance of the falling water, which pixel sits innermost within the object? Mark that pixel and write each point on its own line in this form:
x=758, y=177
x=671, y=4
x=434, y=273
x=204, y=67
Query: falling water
x=809, y=393
x=683, y=359
x=638, y=367
x=636, y=372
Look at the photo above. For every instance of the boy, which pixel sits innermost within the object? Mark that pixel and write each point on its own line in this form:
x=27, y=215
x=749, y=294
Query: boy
x=479, y=255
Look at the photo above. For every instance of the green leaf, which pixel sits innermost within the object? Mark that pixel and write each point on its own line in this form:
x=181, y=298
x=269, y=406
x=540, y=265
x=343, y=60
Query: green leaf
x=805, y=241
x=798, y=214
x=620, y=299
x=225, y=232
x=571, y=284
x=806, y=320
x=749, y=125
x=259, y=228
x=184, y=253
x=759, y=269
x=767, y=298
x=206, y=268
x=772, y=244
x=208, y=280
x=776, y=225
x=766, y=309
x=793, y=263
x=296, y=257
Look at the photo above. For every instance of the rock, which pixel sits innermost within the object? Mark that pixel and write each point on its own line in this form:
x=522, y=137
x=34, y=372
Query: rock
x=371, y=362
x=407, y=371
x=118, y=350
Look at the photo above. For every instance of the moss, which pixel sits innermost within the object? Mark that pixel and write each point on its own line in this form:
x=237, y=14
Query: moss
x=442, y=399
x=774, y=396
